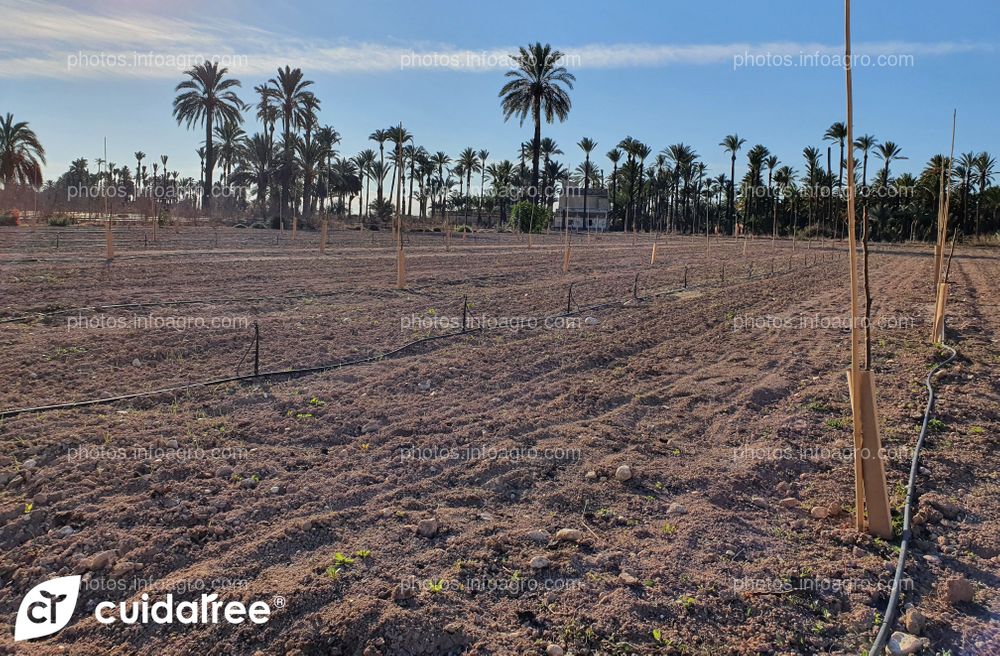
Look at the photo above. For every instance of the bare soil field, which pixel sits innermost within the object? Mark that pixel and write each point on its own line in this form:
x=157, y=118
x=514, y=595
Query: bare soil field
x=666, y=469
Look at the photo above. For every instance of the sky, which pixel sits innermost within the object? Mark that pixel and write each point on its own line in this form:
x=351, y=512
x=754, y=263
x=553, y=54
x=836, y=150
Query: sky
x=663, y=72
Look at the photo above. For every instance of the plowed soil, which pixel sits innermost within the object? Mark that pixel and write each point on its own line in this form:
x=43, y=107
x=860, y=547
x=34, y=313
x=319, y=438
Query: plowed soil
x=442, y=474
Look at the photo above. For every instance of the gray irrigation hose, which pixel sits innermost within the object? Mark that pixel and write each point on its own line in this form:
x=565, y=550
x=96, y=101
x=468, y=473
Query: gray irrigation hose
x=904, y=544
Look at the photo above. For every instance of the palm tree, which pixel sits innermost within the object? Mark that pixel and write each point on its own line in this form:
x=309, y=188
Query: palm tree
x=965, y=169
x=501, y=179
x=289, y=91
x=229, y=137
x=380, y=137
x=345, y=181
x=548, y=148
x=838, y=133
x=888, y=152
x=21, y=153
x=482, y=155
x=756, y=157
x=201, y=164
x=771, y=162
x=614, y=156
x=310, y=159
x=814, y=176
x=267, y=112
x=327, y=138
x=587, y=145
x=441, y=160
x=984, y=172
x=139, y=156
x=469, y=163
x=731, y=144
x=256, y=166
x=865, y=143
x=208, y=95
x=536, y=89
x=642, y=151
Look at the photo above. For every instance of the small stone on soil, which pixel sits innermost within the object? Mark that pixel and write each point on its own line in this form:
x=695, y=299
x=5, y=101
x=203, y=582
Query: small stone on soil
x=819, y=512
x=569, y=535
x=539, y=562
x=538, y=536
x=554, y=650
x=789, y=502
x=914, y=621
x=902, y=644
x=958, y=590
x=627, y=579
x=623, y=473
x=427, y=528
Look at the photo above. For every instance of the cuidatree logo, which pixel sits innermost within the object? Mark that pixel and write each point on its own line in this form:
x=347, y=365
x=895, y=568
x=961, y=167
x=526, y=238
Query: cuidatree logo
x=47, y=608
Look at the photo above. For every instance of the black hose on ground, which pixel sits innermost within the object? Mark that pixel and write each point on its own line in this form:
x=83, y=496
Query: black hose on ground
x=890, y=610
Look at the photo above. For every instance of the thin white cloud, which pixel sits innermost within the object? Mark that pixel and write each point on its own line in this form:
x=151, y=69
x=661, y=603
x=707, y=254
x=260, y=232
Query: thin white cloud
x=62, y=42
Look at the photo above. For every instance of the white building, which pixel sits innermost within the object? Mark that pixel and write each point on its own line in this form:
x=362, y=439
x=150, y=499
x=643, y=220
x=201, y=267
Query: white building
x=569, y=214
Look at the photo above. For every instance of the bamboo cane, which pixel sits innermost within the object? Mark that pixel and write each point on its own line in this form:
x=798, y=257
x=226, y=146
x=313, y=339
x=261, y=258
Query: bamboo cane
x=400, y=256
x=871, y=497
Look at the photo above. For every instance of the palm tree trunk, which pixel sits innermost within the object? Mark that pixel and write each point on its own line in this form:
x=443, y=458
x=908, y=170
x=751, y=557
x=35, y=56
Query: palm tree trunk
x=206, y=192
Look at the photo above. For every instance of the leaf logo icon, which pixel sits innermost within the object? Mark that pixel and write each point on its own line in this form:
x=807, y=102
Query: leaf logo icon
x=47, y=608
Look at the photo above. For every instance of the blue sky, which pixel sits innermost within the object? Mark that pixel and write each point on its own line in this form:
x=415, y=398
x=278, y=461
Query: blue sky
x=662, y=72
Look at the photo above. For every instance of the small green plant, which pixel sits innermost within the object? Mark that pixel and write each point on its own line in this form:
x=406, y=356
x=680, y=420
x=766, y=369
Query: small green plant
x=303, y=415
x=340, y=560
x=658, y=485
x=687, y=602
x=977, y=430
x=316, y=402
x=937, y=425
x=837, y=423
x=436, y=586
x=362, y=553
x=668, y=528
x=255, y=478
x=27, y=507
x=658, y=637
x=332, y=572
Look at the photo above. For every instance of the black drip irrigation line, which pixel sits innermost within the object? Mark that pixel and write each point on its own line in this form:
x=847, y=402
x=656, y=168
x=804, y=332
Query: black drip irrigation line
x=289, y=373
x=142, y=304
x=890, y=609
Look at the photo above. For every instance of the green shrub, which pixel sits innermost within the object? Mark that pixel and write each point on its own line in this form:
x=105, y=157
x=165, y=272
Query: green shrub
x=527, y=217
x=60, y=221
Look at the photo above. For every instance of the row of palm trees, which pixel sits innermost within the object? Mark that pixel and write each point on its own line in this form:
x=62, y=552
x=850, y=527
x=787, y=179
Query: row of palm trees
x=291, y=166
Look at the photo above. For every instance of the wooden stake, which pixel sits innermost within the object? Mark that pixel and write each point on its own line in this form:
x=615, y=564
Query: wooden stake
x=868, y=457
x=400, y=268
x=400, y=256
x=110, y=241
x=566, y=251
x=322, y=238
x=652, y=258
x=937, y=331
x=295, y=223
x=871, y=497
